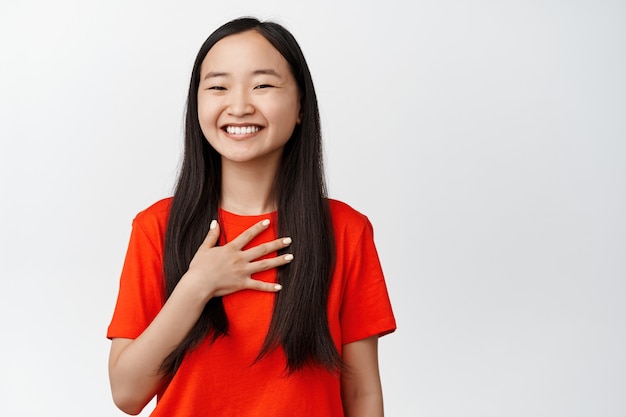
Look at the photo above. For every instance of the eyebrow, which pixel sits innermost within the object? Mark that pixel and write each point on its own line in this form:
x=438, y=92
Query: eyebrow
x=216, y=74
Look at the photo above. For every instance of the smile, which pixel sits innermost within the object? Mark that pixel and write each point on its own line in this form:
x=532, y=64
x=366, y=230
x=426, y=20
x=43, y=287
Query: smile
x=241, y=130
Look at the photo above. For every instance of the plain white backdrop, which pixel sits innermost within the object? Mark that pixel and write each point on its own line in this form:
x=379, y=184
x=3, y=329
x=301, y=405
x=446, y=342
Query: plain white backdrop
x=485, y=140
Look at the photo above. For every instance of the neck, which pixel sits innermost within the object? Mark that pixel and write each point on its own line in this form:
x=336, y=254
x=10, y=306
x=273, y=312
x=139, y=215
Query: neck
x=247, y=189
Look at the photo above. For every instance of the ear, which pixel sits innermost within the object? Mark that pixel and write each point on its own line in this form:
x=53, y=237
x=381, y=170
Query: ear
x=299, y=119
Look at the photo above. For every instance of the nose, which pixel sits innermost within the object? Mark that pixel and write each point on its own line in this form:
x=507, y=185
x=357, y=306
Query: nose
x=239, y=104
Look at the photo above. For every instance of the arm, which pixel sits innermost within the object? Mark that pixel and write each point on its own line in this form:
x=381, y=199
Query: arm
x=361, y=390
x=134, y=364
x=214, y=271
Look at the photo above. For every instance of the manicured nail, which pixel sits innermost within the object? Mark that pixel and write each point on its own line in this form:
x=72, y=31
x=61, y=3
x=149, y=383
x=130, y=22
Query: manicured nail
x=278, y=287
x=286, y=240
x=289, y=257
x=265, y=222
x=213, y=224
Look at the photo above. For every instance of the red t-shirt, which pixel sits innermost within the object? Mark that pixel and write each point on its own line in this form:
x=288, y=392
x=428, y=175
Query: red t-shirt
x=222, y=379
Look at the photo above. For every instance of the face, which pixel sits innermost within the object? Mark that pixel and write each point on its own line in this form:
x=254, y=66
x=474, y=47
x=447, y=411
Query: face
x=248, y=100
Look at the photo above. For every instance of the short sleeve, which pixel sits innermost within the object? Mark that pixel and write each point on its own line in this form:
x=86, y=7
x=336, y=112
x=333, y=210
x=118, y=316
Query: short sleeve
x=141, y=283
x=366, y=309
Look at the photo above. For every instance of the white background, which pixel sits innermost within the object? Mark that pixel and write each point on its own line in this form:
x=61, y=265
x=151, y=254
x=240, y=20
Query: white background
x=485, y=140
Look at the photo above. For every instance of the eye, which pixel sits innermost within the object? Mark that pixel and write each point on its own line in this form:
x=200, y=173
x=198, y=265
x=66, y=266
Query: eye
x=217, y=88
x=260, y=86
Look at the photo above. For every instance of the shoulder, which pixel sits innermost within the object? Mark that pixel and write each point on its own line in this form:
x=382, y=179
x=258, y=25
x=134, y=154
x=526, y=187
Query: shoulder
x=346, y=218
x=154, y=218
x=341, y=210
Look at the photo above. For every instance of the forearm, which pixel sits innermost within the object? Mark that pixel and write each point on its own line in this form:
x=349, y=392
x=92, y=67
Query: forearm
x=134, y=364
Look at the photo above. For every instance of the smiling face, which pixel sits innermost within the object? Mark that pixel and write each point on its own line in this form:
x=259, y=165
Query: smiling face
x=248, y=100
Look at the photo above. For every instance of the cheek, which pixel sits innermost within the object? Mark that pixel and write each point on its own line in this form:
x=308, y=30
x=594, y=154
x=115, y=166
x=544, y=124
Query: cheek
x=206, y=116
x=204, y=109
x=286, y=113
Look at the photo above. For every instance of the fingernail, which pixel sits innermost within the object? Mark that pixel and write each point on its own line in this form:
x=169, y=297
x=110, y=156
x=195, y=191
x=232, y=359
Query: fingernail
x=278, y=287
x=289, y=257
x=286, y=240
x=265, y=222
x=213, y=224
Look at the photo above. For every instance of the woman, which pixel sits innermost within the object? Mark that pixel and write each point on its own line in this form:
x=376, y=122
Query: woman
x=250, y=293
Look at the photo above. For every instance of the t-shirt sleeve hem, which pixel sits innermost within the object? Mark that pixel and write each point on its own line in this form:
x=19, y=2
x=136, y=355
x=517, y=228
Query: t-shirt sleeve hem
x=124, y=333
x=380, y=331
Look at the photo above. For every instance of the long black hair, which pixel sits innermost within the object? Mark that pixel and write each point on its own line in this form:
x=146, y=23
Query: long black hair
x=299, y=322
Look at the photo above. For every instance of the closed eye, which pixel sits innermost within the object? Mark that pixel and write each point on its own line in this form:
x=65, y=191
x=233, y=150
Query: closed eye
x=217, y=88
x=260, y=86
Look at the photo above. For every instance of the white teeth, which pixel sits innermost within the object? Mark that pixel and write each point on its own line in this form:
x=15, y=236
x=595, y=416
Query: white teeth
x=241, y=130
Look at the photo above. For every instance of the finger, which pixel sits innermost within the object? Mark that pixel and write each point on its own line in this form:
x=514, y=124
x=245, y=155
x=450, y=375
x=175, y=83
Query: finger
x=212, y=235
x=270, y=263
x=244, y=238
x=253, y=284
x=265, y=248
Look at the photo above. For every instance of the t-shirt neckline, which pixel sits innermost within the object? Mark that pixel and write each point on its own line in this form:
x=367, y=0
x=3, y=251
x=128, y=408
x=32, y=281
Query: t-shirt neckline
x=244, y=219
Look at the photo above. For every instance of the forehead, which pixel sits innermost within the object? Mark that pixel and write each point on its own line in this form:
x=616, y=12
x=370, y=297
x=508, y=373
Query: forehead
x=247, y=51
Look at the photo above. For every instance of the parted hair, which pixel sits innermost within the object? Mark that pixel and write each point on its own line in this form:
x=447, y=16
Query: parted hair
x=299, y=323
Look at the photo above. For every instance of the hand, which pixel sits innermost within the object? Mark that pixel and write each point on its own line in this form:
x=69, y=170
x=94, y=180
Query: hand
x=227, y=269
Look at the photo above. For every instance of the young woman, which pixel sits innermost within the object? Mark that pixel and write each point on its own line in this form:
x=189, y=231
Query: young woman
x=250, y=293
